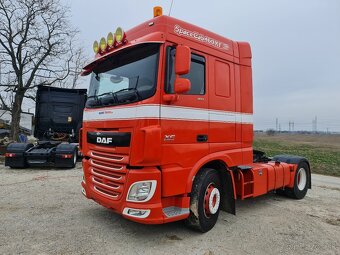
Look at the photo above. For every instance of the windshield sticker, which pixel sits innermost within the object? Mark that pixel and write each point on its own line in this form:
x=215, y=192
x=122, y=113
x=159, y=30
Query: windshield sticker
x=200, y=37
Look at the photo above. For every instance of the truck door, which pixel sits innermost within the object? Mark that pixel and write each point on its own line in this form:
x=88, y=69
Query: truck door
x=222, y=105
x=184, y=121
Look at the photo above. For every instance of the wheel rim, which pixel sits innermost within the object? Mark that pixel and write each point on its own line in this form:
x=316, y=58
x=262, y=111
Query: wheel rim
x=212, y=199
x=301, y=179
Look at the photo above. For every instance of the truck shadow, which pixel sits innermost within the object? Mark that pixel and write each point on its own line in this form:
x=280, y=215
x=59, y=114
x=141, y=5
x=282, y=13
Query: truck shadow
x=177, y=231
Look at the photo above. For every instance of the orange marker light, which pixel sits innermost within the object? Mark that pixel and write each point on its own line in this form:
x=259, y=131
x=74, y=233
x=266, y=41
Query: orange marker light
x=157, y=11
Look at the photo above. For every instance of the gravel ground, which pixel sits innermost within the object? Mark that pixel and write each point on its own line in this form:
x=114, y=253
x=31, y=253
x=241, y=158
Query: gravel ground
x=43, y=212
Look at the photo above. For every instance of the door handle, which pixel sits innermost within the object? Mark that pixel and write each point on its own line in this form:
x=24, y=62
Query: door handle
x=202, y=138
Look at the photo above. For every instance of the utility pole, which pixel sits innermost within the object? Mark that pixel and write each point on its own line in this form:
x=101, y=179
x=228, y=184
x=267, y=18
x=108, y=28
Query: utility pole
x=277, y=124
x=315, y=125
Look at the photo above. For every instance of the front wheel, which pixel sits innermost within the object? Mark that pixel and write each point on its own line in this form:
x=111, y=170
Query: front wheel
x=205, y=200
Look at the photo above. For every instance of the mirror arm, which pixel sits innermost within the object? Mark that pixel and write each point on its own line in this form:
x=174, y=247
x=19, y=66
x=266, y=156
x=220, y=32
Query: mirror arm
x=170, y=98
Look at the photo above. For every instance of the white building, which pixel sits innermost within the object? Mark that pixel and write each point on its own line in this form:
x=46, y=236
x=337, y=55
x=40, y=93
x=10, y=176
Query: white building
x=26, y=120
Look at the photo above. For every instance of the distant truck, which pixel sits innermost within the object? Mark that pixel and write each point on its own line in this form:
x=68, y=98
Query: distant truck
x=58, y=118
x=168, y=130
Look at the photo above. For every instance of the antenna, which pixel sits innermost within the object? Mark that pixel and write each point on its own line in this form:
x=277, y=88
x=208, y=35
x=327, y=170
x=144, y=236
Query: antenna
x=172, y=1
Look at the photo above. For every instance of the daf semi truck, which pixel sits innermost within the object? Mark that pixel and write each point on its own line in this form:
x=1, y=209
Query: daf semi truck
x=168, y=127
x=58, y=118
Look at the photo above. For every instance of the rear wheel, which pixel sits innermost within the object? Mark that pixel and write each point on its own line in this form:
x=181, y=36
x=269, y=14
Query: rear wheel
x=205, y=200
x=74, y=158
x=301, y=182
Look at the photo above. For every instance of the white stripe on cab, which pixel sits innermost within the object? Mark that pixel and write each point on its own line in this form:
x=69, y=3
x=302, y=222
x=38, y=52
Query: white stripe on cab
x=166, y=112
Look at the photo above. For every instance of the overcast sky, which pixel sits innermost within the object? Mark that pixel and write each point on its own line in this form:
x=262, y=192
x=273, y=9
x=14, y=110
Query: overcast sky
x=295, y=46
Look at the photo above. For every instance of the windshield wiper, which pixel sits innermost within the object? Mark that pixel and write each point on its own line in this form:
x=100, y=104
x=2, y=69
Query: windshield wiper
x=96, y=97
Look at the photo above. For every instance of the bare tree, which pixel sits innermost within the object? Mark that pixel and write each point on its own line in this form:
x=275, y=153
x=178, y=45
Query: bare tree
x=37, y=47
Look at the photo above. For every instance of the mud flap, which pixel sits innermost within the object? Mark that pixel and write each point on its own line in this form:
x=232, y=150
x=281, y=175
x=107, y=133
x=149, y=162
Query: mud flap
x=228, y=200
x=62, y=149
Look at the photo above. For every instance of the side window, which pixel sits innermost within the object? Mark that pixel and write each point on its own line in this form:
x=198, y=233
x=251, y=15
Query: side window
x=196, y=74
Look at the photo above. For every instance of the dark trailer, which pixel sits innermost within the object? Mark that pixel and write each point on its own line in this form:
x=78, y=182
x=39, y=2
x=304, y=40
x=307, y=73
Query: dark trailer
x=58, y=118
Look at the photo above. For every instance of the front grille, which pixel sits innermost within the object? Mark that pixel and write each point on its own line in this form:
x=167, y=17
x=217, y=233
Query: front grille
x=108, y=173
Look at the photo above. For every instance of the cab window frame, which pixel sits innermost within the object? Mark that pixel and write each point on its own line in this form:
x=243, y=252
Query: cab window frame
x=195, y=57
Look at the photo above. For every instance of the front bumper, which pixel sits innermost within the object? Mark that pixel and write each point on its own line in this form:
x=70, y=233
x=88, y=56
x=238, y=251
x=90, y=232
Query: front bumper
x=154, y=207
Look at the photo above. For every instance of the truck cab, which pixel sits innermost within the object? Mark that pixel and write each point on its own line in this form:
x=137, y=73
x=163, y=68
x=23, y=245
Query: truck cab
x=167, y=128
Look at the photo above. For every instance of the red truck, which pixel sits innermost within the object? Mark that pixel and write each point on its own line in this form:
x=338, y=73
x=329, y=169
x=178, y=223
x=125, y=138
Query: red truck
x=167, y=132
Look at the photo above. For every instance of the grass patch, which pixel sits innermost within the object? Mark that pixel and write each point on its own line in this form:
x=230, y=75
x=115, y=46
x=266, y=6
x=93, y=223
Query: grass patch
x=324, y=160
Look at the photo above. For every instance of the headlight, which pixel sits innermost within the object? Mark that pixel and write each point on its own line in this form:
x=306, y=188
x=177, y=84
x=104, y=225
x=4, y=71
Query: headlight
x=141, y=191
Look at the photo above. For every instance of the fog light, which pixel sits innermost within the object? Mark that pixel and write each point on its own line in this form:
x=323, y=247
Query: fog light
x=102, y=44
x=141, y=191
x=96, y=47
x=110, y=39
x=138, y=213
x=83, y=191
x=120, y=35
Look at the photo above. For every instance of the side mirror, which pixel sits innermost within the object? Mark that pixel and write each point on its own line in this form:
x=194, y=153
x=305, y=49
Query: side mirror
x=183, y=60
x=182, y=85
x=182, y=66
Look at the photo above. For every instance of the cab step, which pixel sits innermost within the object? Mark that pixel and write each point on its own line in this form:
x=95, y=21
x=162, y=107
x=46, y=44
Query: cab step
x=244, y=180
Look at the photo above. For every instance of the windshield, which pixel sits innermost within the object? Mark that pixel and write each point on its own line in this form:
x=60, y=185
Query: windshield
x=128, y=76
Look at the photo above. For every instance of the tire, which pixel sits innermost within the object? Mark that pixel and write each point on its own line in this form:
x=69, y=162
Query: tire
x=205, y=200
x=301, y=182
x=74, y=158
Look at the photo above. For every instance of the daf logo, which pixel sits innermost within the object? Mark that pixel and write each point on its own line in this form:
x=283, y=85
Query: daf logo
x=105, y=140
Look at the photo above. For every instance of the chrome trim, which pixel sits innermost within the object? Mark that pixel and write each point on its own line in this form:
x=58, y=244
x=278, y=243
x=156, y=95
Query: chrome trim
x=107, y=186
x=106, y=158
x=104, y=176
x=113, y=196
x=106, y=167
x=83, y=192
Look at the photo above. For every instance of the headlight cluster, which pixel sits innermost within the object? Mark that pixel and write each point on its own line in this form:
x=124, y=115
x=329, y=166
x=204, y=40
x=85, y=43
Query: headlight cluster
x=141, y=191
x=112, y=41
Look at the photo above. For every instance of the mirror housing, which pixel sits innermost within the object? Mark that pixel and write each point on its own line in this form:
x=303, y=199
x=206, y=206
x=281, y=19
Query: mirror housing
x=182, y=85
x=182, y=66
x=183, y=60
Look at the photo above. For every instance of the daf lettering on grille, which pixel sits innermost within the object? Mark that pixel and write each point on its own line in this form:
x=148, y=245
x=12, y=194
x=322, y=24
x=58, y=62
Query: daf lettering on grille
x=104, y=140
